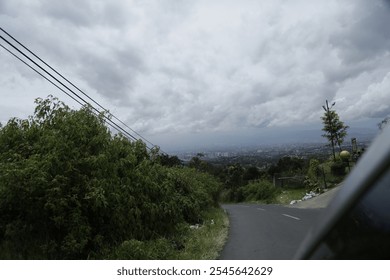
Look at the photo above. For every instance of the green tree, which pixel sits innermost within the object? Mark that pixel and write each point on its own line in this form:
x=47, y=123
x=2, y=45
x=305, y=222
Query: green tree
x=314, y=171
x=260, y=190
x=251, y=173
x=201, y=165
x=287, y=165
x=71, y=190
x=170, y=161
x=334, y=128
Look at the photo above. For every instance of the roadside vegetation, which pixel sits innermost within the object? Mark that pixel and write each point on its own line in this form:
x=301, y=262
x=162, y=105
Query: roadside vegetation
x=69, y=189
x=206, y=241
x=291, y=177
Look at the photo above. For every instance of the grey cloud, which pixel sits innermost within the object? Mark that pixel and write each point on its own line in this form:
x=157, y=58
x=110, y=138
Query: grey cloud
x=87, y=13
x=73, y=12
x=177, y=66
x=366, y=36
x=112, y=76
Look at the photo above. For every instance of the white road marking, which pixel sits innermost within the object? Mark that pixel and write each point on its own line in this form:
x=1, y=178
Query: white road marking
x=292, y=217
x=261, y=209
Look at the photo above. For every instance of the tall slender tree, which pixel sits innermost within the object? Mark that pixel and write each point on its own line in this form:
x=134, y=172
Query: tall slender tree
x=334, y=128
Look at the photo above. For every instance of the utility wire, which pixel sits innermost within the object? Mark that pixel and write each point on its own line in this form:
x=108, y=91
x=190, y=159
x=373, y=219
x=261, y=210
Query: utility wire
x=121, y=129
x=39, y=73
x=110, y=122
x=81, y=91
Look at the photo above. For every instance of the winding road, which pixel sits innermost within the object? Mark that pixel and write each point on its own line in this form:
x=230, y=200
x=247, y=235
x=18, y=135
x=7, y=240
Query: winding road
x=259, y=231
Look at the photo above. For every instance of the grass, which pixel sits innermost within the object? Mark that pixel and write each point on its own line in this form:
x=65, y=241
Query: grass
x=287, y=195
x=206, y=242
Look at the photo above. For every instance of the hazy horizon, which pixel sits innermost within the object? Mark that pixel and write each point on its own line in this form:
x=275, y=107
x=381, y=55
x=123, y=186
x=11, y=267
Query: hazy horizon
x=362, y=130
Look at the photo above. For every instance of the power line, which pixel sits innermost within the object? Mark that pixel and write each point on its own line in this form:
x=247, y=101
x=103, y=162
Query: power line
x=110, y=123
x=108, y=120
x=81, y=91
x=116, y=126
x=39, y=73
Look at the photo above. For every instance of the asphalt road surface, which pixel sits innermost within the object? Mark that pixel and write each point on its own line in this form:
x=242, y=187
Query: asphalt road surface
x=268, y=232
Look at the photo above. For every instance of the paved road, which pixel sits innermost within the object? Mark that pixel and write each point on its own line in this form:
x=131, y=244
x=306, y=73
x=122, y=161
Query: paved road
x=259, y=231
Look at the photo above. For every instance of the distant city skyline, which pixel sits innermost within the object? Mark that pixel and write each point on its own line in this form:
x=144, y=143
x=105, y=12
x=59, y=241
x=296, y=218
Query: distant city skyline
x=363, y=130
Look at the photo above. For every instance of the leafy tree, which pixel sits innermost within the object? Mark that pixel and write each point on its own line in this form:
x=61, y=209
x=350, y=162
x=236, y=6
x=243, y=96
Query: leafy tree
x=201, y=165
x=251, y=173
x=334, y=128
x=314, y=171
x=260, y=190
x=170, y=161
x=287, y=165
x=233, y=180
x=71, y=190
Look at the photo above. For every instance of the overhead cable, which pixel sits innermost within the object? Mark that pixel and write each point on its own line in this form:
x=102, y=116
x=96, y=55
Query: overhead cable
x=95, y=112
x=108, y=119
x=81, y=91
x=85, y=102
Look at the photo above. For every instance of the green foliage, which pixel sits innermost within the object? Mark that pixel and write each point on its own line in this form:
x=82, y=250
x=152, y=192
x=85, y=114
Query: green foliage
x=251, y=173
x=202, y=243
x=289, y=194
x=334, y=128
x=158, y=249
x=207, y=241
x=194, y=192
x=310, y=184
x=288, y=165
x=338, y=168
x=201, y=165
x=232, y=178
x=69, y=190
x=261, y=190
x=314, y=171
x=241, y=183
x=334, y=171
x=170, y=161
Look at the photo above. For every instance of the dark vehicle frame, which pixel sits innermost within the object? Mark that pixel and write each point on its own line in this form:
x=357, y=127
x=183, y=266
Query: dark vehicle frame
x=356, y=224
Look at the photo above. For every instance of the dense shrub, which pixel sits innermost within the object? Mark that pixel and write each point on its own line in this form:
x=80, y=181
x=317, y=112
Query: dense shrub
x=194, y=191
x=260, y=190
x=338, y=168
x=70, y=190
x=314, y=171
x=288, y=165
x=144, y=250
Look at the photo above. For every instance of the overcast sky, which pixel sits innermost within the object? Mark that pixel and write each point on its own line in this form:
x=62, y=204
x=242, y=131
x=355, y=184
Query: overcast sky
x=173, y=68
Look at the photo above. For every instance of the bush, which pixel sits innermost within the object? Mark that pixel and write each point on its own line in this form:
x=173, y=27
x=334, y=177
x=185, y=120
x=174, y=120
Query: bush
x=160, y=249
x=194, y=191
x=338, y=168
x=314, y=171
x=260, y=190
x=69, y=190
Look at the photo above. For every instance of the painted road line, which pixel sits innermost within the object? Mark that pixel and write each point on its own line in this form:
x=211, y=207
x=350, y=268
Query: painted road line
x=261, y=209
x=292, y=217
